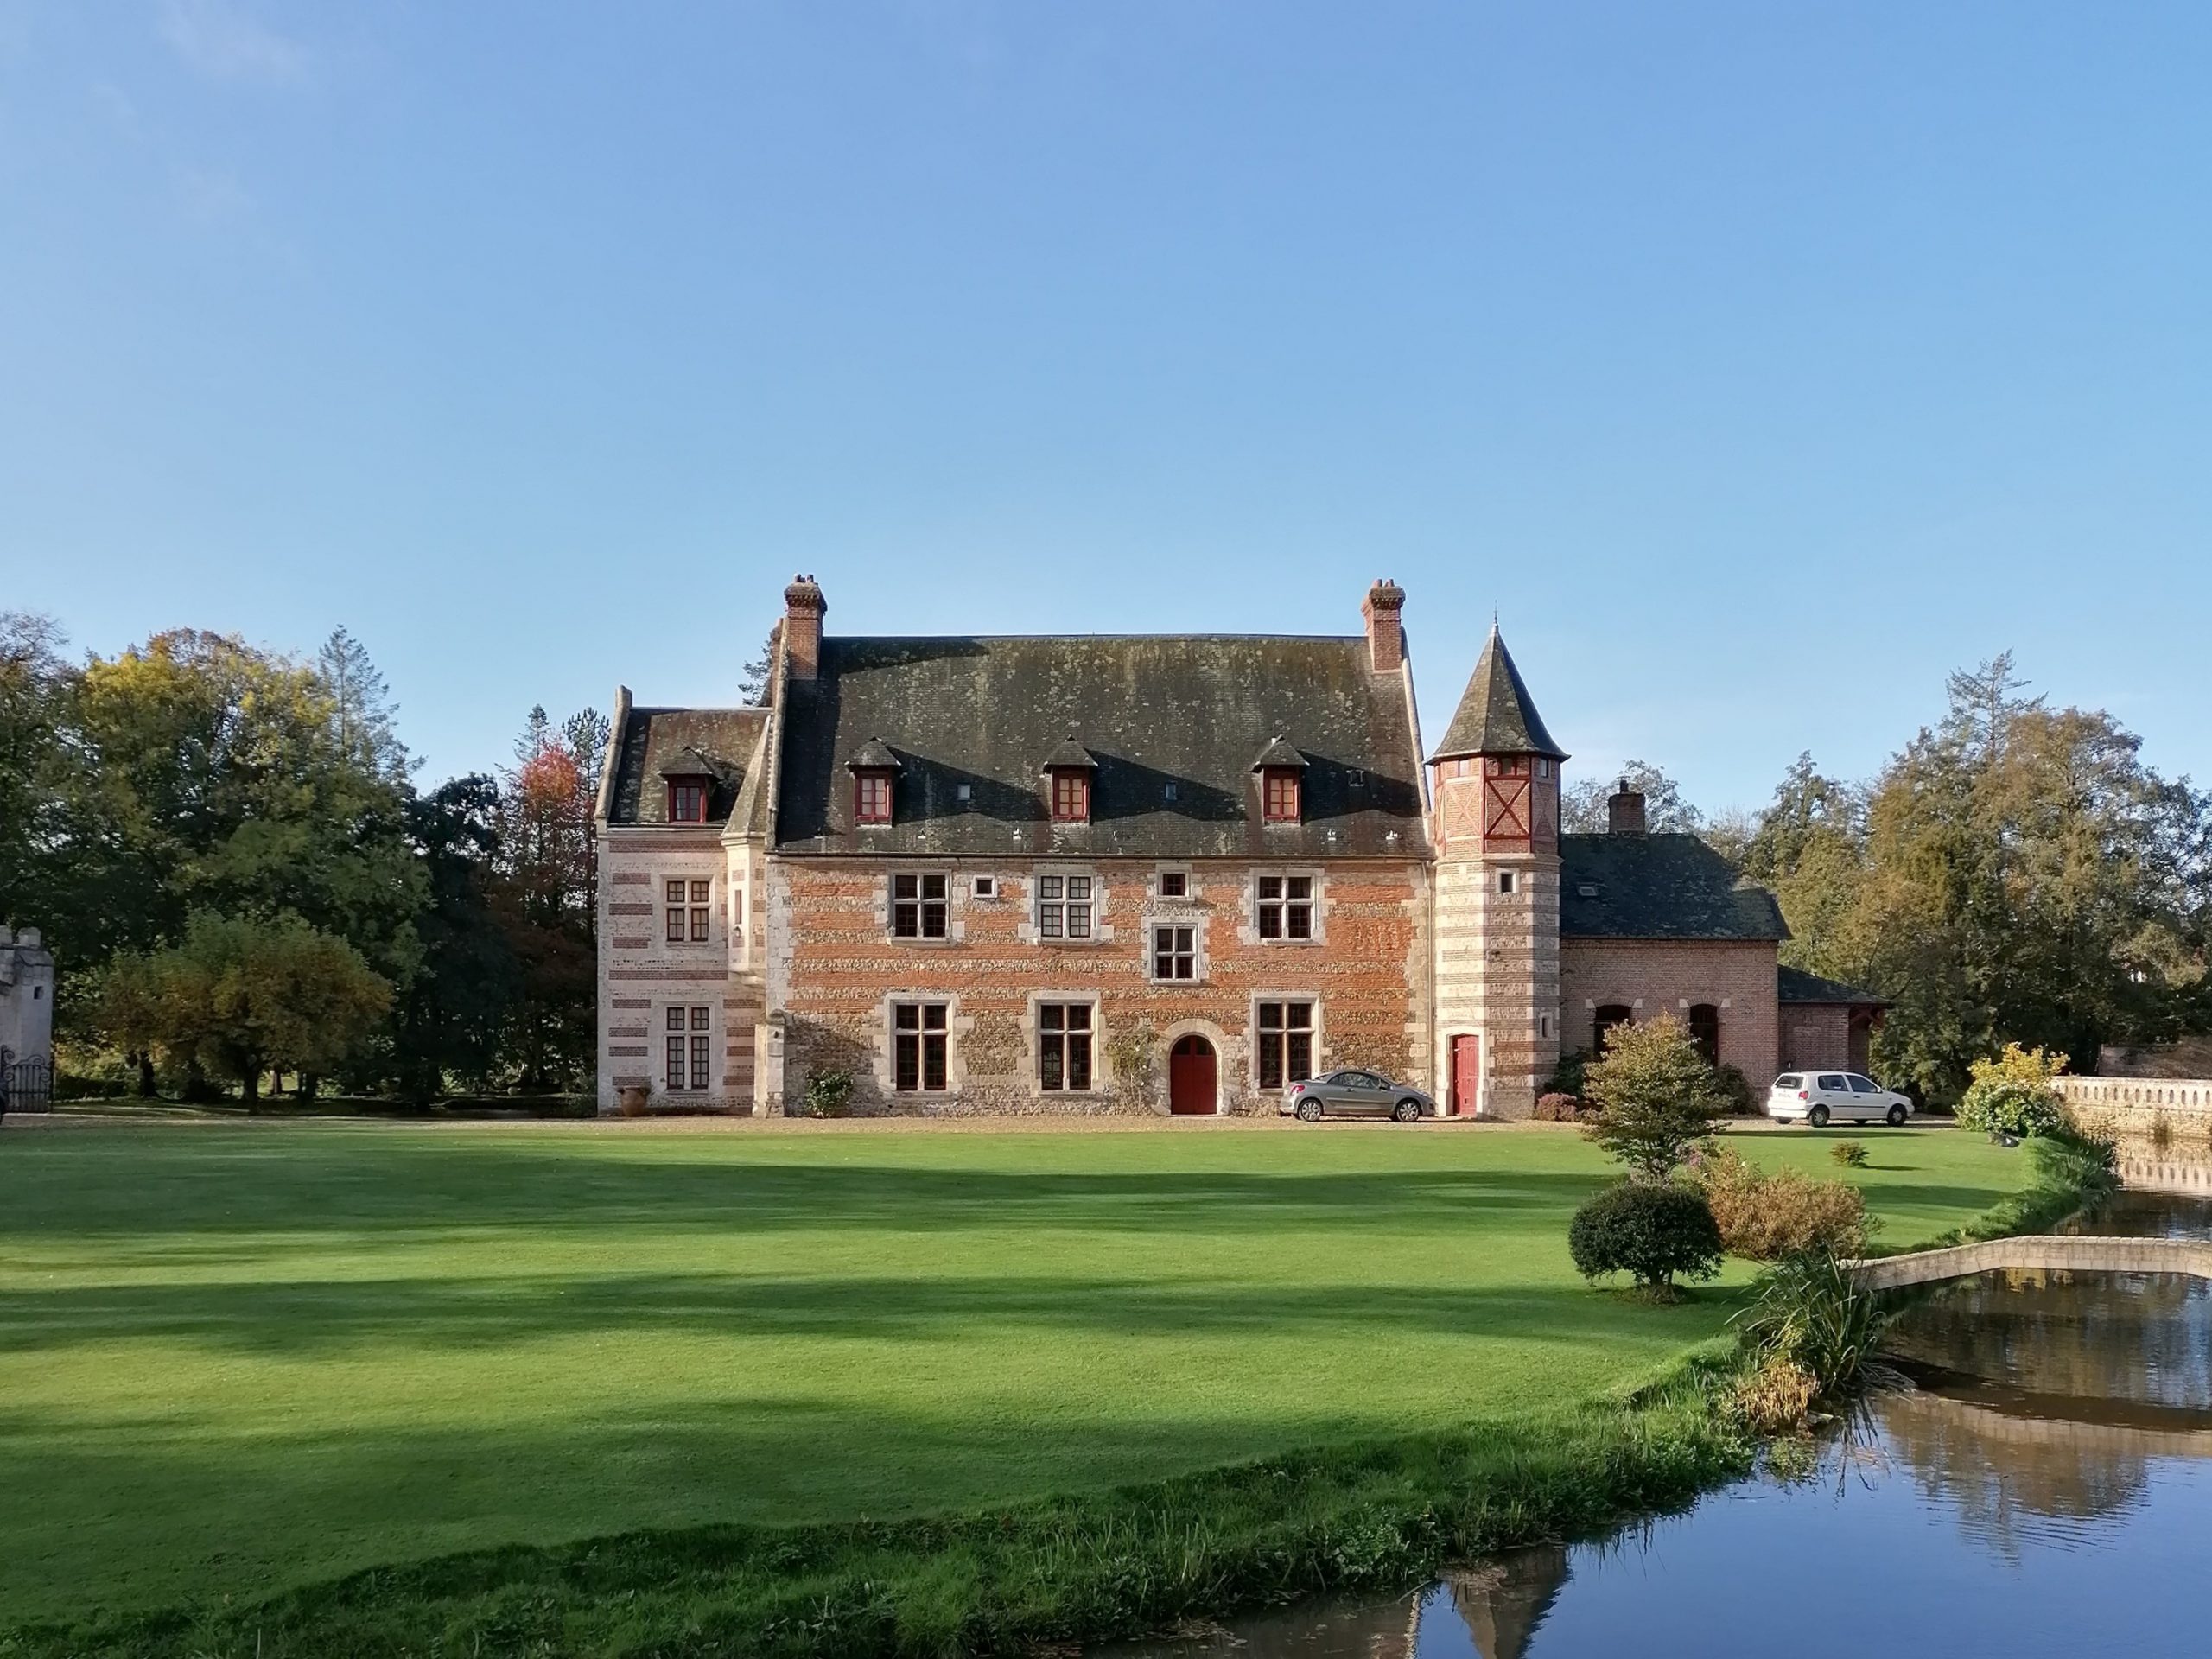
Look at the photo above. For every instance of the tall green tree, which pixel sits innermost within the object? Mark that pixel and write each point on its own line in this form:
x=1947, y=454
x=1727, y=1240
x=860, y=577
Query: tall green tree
x=1582, y=808
x=241, y=997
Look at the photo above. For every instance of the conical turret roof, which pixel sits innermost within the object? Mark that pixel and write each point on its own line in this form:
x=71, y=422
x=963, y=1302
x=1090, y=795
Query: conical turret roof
x=1496, y=715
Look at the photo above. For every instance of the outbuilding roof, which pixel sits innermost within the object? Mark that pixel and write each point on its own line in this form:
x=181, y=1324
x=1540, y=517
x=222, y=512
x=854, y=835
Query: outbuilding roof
x=1795, y=985
x=1169, y=721
x=1658, y=886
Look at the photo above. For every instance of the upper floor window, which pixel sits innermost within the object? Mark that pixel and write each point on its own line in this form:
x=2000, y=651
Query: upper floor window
x=1063, y=1045
x=917, y=1047
x=1285, y=907
x=1063, y=907
x=1278, y=797
x=918, y=907
x=687, y=800
x=1071, y=795
x=1175, y=953
x=872, y=797
x=690, y=911
x=1174, y=883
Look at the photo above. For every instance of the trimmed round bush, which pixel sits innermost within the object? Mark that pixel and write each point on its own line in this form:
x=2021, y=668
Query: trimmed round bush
x=2010, y=1106
x=1652, y=1231
x=1742, y=1099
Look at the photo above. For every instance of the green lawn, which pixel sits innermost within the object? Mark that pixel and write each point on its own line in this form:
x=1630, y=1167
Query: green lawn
x=235, y=1356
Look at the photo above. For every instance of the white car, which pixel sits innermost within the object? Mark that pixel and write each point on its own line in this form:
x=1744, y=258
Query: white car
x=1823, y=1098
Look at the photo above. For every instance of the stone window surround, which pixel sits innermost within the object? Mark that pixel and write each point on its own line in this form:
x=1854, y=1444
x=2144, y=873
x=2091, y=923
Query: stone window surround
x=1321, y=1063
x=719, y=884
x=1249, y=933
x=1102, y=930
x=883, y=1061
x=1102, y=1083
x=956, y=900
x=658, y=1033
x=1201, y=959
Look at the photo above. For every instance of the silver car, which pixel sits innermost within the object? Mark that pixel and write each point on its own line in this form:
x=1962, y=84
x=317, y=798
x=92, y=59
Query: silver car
x=1355, y=1094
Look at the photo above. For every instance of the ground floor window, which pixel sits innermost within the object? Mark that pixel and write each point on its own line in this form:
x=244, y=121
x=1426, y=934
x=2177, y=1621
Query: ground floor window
x=1063, y=1045
x=1286, y=1043
x=1705, y=1031
x=918, y=1036
x=687, y=1042
x=1602, y=1022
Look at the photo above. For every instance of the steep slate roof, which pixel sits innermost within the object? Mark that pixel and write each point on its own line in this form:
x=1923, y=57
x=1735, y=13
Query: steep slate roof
x=655, y=744
x=1495, y=716
x=1659, y=887
x=1795, y=985
x=1153, y=711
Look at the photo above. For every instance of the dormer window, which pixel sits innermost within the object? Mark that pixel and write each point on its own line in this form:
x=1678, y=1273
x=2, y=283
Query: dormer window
x=1068, y=773
x=687, y=800
x=1281, y=772
x=873, y=770
x=871, y=797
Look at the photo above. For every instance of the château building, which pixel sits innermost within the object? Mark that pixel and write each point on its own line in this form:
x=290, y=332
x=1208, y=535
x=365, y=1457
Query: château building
x=1170, y=872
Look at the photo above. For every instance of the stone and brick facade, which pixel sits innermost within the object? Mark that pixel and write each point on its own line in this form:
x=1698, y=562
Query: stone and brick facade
x=1162, y=872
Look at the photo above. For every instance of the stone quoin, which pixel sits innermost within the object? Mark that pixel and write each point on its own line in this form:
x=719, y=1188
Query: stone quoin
x=1171, y=872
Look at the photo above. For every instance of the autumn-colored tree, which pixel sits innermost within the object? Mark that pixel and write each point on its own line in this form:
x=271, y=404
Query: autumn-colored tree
x=545, y=898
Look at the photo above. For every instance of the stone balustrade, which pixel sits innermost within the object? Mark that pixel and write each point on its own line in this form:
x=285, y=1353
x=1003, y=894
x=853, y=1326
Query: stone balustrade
x=2044, y=1252
x=2136, y=1106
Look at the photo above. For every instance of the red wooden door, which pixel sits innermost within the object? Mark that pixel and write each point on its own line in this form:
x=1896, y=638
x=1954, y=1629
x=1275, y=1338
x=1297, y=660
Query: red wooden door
x=1190, y=1076
x=1466, y=1074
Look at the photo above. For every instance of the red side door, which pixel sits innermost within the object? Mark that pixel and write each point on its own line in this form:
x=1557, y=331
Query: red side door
x=1190, y=1076
x=1466, y=1074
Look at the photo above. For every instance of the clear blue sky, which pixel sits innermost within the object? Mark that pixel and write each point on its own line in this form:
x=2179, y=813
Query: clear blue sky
x=1758, y=363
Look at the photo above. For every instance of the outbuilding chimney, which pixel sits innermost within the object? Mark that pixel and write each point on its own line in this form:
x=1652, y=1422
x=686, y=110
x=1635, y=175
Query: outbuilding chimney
x=803, y=609
x=1624, y=810
x=1386, y=635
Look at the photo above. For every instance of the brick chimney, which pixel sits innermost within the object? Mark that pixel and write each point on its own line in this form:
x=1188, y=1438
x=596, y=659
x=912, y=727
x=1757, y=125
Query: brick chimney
x=803, y=609
x=1624, y=810
x=1386, y=636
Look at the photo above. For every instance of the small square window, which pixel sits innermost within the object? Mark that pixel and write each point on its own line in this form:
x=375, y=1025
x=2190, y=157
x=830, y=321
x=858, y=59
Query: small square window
x=1168, y=792
x=1505, y=880
x=984, y=887
x=1174, y=883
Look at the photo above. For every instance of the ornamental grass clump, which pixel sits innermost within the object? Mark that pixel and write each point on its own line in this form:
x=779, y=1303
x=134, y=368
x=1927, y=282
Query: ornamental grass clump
x=1764, y=1216
x=1655, y=1232
x=1810, y=1313
x=1655, y=1096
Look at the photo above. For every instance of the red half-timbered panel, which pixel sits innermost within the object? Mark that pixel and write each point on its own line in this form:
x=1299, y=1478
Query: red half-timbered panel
x=1506, y=808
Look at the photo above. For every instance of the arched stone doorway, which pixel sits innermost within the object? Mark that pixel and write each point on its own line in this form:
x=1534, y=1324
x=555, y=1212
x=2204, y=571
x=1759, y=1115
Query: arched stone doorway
x=1190, y=1081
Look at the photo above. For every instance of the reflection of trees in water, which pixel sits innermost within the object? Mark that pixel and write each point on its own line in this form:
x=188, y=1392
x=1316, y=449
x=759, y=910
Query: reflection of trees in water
x=2140, y=1337
x=2004, y=1475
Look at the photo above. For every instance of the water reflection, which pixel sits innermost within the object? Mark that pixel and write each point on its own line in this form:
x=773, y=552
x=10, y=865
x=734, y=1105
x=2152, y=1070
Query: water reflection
x=2043, y=1486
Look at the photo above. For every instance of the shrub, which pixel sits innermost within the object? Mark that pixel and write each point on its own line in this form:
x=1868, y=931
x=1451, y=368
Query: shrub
x=2005, y=1106
x=1568, y=1076
x=1557, y=1109
x=1742, y=1101
x=1652, y=1231
x=1810, y=1311
x=2010, y=1093
x=828, y=1092
x=1851, y=1155
x=1765, y=1218
x=1656, y=1096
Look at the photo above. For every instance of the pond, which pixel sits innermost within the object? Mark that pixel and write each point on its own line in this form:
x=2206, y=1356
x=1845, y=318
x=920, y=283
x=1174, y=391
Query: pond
x=2040, y=1483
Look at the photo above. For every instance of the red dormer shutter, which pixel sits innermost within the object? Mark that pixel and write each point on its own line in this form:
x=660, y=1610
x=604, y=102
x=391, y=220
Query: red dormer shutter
x=872, y=797
x=1279, y=795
